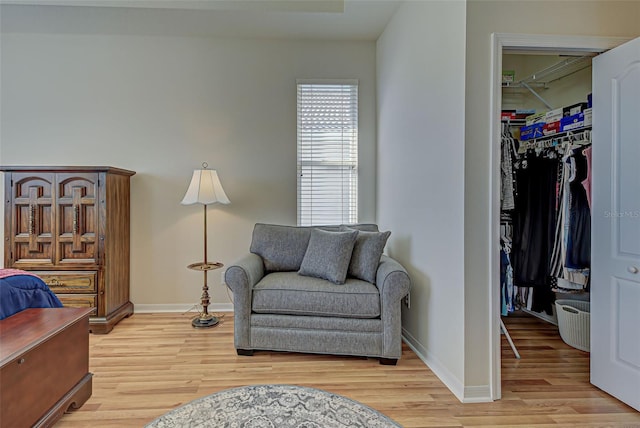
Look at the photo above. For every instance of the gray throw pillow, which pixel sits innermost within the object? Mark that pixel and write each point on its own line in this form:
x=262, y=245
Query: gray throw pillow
x=367, y=227
x=328, y=255
x=366, y=255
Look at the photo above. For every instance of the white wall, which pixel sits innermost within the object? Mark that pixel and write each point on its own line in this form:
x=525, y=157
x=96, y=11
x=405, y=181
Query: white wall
x=434, y=162
x=597, y=18
x=420, y=59
x=161, y=106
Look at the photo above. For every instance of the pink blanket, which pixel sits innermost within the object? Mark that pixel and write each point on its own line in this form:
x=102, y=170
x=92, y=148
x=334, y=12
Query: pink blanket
x=12, y=272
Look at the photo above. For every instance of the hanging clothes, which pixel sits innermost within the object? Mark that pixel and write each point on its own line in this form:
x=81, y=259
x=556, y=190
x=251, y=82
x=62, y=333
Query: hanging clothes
x=550, y=247
x=579, y=239
x=586, y=183
x=535, y=217
x=575, y=221
x=507, y=199
x=559, y=252
x=507, y=204
x=507, y=292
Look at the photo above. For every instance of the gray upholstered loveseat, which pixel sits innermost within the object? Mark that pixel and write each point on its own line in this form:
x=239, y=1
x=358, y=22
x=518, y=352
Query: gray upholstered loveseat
x=289, y=293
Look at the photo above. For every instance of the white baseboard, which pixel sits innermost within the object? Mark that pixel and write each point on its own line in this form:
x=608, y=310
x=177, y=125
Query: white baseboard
x=146, y=308
x=443, y=373
x=468, y=394
x=477, y=394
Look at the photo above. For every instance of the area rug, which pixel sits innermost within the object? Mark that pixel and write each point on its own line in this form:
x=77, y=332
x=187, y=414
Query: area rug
x=273, y=406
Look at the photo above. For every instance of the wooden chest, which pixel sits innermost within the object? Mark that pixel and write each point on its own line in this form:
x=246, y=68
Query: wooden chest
x=44, y=365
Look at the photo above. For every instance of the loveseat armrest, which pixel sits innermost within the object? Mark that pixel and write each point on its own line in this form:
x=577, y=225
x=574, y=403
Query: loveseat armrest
x=392, y=280
x=244, y=273
x=240, y=277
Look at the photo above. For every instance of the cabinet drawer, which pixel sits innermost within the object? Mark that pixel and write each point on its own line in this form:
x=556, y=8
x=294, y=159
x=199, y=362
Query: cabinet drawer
x=70, y=282
x=79, y=301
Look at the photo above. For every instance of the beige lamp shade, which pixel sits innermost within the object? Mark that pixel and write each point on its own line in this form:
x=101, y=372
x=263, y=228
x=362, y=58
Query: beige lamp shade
x=205, y=188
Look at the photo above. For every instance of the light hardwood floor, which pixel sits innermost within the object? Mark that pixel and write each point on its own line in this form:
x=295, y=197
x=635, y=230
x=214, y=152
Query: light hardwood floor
x=152, y=363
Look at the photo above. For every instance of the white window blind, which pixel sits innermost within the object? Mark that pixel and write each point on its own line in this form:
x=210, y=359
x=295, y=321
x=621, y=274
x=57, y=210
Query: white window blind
x=327, y=153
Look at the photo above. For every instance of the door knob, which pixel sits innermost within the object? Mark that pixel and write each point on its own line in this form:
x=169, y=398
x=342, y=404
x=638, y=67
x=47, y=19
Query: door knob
x=632, y=269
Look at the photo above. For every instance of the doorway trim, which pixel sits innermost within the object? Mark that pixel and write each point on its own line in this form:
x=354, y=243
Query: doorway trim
x=534, y=43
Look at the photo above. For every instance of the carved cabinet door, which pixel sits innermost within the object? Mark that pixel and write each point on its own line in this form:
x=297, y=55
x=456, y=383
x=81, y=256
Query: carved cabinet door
x=77, y=218
x=32, y=214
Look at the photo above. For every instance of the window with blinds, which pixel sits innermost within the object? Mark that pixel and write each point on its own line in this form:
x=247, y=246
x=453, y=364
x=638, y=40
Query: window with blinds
x=327, y=152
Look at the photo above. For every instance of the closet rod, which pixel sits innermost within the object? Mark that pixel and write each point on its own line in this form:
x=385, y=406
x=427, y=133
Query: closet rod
x=558, y=68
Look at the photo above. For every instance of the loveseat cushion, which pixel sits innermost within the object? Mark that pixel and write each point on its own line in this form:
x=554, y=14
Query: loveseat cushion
x=328, y=254
x=282, y=248
x=293, y=294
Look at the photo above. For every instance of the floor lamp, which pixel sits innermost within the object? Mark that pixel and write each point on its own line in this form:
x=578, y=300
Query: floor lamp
x=205, y=189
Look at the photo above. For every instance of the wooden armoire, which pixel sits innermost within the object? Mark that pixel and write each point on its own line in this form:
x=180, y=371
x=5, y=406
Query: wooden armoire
x=70, y=226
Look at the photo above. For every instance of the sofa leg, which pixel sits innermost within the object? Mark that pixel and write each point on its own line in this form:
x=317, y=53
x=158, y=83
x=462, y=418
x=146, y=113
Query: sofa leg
x=388, y=361
x=245, y=352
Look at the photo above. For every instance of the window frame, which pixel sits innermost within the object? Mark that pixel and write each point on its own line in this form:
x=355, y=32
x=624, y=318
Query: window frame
x=341, y=158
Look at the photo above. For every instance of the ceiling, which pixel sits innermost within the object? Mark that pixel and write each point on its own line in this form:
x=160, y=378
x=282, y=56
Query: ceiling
x=278, y=19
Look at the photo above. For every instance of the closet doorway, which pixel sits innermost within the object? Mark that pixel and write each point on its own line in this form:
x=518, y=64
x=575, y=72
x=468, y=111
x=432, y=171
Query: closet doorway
x=546, y=150
x=557, y=45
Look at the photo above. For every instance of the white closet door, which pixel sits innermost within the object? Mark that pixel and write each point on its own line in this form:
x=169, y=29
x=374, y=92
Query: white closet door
x=615, y=288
